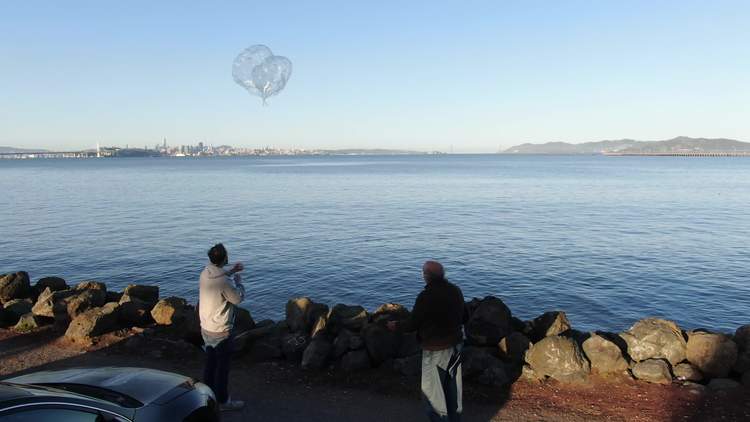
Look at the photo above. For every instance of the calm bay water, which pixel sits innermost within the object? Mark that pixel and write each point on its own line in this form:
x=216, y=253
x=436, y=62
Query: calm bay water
x=607, y=239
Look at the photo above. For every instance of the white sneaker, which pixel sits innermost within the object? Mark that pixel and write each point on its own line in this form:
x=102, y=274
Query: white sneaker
x=231, y=405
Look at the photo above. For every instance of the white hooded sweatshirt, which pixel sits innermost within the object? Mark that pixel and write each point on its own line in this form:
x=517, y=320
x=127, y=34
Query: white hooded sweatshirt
x=218, y=296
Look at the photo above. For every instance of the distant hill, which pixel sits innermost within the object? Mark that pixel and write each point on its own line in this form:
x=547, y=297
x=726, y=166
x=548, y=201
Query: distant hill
x=679, y=144
x=13, y=150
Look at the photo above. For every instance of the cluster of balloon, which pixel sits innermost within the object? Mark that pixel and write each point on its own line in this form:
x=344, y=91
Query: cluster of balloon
x=260, y=72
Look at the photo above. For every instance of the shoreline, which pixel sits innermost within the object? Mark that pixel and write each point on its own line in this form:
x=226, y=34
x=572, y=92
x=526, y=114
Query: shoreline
x=341, y=345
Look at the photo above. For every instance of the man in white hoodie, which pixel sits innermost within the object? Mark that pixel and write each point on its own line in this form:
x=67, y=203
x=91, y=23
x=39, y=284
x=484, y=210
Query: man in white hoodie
x=218, y=297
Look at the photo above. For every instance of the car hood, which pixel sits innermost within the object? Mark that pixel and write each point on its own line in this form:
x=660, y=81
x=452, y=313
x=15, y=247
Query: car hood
x=145, y=385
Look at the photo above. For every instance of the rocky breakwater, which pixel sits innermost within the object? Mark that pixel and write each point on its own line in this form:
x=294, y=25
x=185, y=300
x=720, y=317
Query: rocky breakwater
x=499, y=348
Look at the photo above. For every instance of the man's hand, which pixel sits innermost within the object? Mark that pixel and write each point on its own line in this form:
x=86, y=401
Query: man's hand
x=237, y=279
x=237, y=268
x=392, y=325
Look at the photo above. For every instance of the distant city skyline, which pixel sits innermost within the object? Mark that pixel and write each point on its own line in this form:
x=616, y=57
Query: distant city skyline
x=427, y=76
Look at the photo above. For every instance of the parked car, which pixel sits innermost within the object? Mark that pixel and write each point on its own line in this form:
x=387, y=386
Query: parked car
x=106, y=395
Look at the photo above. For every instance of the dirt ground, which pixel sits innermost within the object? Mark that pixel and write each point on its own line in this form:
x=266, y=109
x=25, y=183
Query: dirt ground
x=280, y=391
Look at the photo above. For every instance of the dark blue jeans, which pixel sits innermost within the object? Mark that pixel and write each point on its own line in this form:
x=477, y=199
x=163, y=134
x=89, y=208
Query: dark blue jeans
x=216, y=371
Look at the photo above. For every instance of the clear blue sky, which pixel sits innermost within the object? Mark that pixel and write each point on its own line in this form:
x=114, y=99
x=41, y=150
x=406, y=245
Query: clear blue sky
x=422, y=75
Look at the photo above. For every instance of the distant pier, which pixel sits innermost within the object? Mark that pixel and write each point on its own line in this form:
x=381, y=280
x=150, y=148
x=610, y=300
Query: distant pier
x=677, y=154
x=48, y=154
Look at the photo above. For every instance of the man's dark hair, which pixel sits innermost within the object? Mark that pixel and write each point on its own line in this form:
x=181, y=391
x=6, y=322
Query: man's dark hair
x=218, y=254
x=434, y=271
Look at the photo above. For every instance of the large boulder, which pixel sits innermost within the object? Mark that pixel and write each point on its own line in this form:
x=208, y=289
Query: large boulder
x=243, y=320
x=604, y=355
x=341, y=343
x=687, y=372
x=320, y=328
x=410, y=366
x=713, y=354
x=653, y=370
x=654, y=338
x=390, y=312
x=490, y=321
x=551, y=323
x=296, y=313
x=316, y=354
x=135, y=312
x=97, y=291
x=347, y=317
x=53, y=283
x=147, y=294
x=170, y=311
x=513, y=347
x=82, y=301
x=742, y=338
x=93, y=322
x=45, y=303
x=29, y=322
x=355, y=360
x=478, y=359
x=743, y=362
x=496, y=375
x=14, y=286
x=409, y=345
x=558, y=357
x=293, y=346
x=381, y=343
x=15, y=309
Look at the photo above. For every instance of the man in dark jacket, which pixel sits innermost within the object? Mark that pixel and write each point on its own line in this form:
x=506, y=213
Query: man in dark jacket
x=438, y=316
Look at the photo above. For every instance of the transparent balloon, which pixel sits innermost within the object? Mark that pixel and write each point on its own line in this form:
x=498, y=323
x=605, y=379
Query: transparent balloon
x=260, y=72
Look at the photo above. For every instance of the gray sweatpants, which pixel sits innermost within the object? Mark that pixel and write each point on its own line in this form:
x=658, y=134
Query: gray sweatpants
x=441, y=383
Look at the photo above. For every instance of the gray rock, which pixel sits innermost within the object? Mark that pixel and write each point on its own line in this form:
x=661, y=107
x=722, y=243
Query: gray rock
x=29, y=322
x=743, y=363
x=243, y=320
x=356, y=342
x=529, y=374
x=170, y=311
x=45, y=304
x=687, y=372
x=496, y=376
x=82, y=301
x=723, y=384
x=653, y=370
x=296, y=313
x=320, y=327
x=293, y=346
x=654, y=338
x=551, y=323
x=316, y=354
x=98, y=289
x=14, y=286
x=477, y=359
x=93, y=322
x=604, y=355
x=355, y=360
x=134, y=312
x=381, y=343
x=513, y=347
x=558, y=357
x=742, y=337
x=409, y=366
x=490, y=321
x=148, y=294
x=15, y=309
x=53, y=283
x=113, y=297
x=341, y=343
x=315, y=312
x=390, y=312
x=347, y=317
x=409, y=345
x=713, y=354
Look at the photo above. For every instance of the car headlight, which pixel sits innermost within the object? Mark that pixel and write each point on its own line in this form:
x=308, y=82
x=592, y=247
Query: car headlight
x=204, y=389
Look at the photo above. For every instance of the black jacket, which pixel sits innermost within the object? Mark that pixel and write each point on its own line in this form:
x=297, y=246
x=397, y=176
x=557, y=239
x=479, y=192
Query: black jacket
x=438, y=316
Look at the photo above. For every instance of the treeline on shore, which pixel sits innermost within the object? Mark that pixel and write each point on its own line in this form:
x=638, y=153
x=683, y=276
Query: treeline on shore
x=499, y=348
